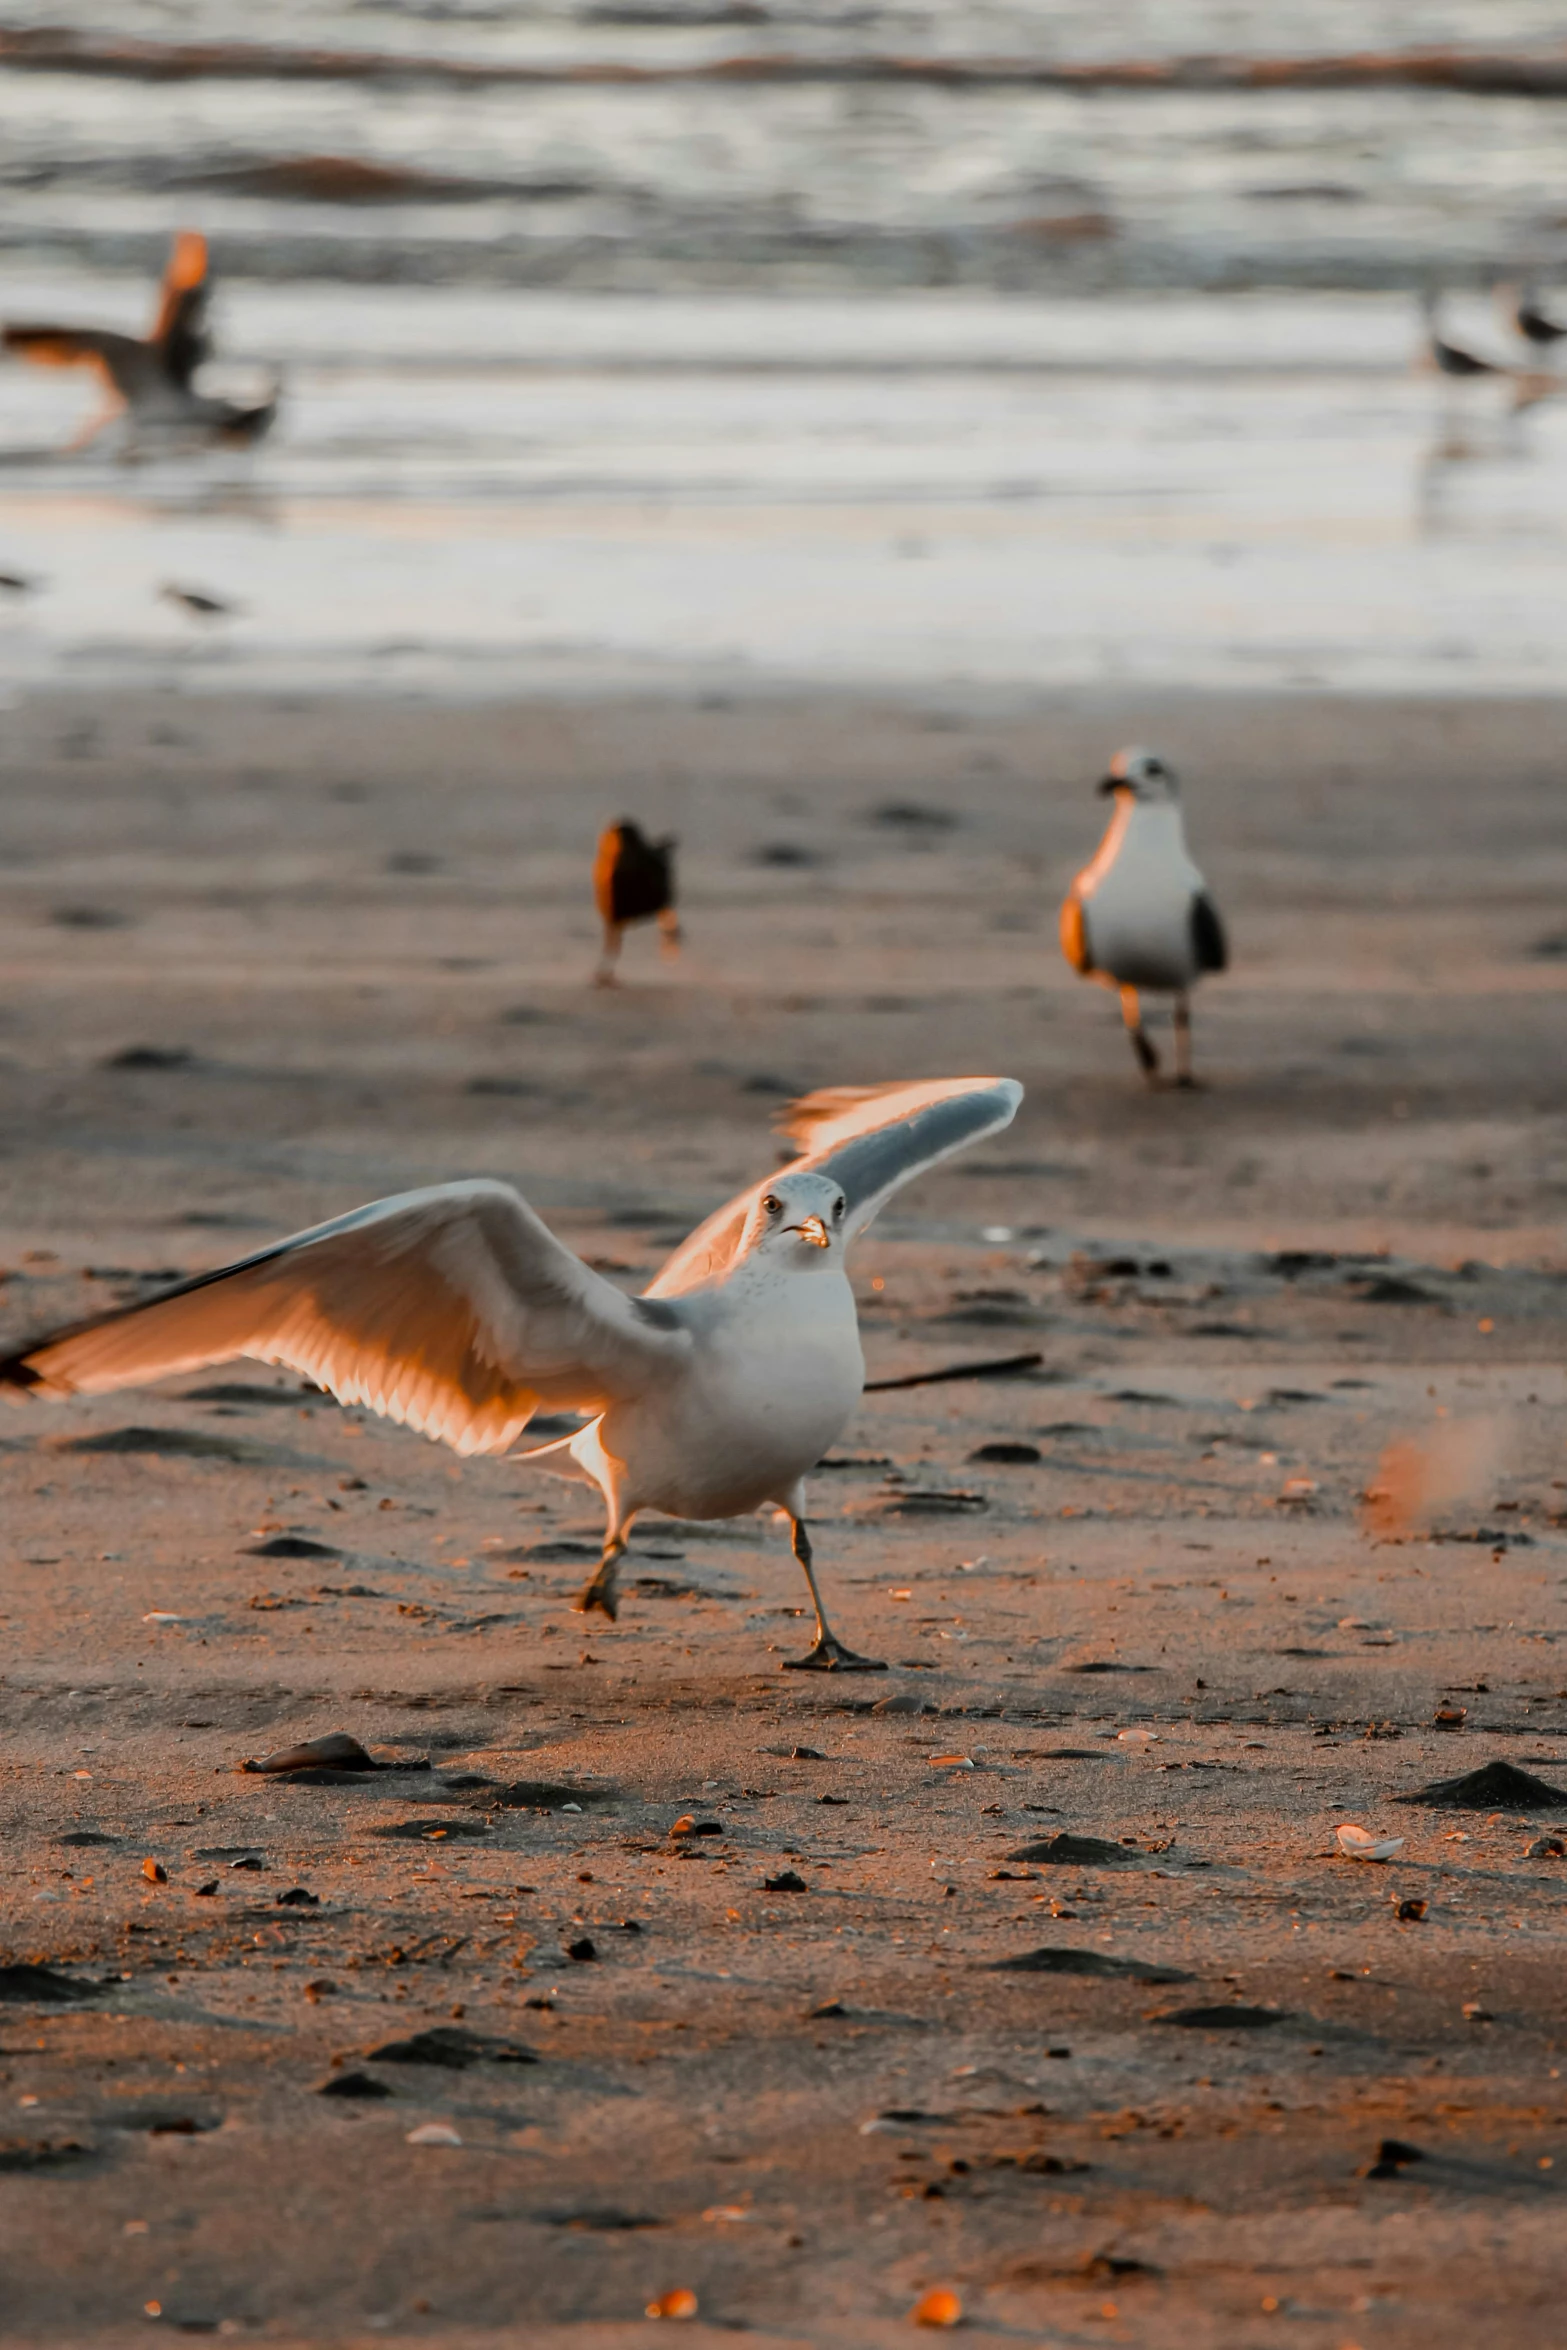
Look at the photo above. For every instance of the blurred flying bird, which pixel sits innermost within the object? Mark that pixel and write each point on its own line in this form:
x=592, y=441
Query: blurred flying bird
x=1523, y=314
x=1458, y=364
x=152, y=377
x=457, y=1312
x=17, y=583
x=1140, y=915
x=633, y=881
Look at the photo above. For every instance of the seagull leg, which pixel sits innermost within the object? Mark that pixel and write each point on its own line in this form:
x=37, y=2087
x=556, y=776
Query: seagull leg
x=600, y=1592
x=98, y=422
x=669, y=933
x=1183, y=1040
x=827, y=1653
x=604, y=976
x=1132, y=1014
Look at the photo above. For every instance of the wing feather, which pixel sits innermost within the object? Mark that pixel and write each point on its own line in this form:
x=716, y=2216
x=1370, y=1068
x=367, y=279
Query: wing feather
x=1074, y=934
x=117, y=358
x=871, y=1139
x=1209, y=943
x=453, y=1310
x=184, y=288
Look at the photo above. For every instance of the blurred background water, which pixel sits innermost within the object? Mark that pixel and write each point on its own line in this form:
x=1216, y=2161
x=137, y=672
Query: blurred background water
x=1019, y=343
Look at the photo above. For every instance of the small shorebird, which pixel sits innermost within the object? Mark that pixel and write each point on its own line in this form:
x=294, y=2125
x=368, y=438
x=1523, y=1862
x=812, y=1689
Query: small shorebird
x=1458, y=364
x=1523, y=314
x=1455, y=359
x=633, y=881
x=1140, y=915
x=457, y=1312
x=197, y=602
x=152, y=377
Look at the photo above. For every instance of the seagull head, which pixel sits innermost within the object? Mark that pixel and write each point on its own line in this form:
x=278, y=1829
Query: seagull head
x=799, y=1219
x=1143, y=775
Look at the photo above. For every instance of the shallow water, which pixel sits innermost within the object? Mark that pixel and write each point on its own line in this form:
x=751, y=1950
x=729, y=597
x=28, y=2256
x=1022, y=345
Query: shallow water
x=636, y=338
x=479, y=493
x=803, y=143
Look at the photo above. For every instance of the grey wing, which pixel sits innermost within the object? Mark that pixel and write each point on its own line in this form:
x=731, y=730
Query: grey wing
x=453, y=1310
x=1209, y=944
x=871, y=1139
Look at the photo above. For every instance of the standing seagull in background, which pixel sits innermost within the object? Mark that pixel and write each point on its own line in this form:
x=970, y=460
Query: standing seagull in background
x=1521, y=309
x=153, y=377
x=457, y=1312
x=633, y=880
x=1454, y=359
x=1140, y=915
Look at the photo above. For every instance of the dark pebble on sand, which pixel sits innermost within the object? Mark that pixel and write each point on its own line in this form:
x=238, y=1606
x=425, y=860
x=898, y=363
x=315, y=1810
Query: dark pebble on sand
x=912, y=816
x=337, y=1751
x=452, y=2048
x=150, y=1056
x=297, y=1898
x=353, y=2085
x=89, y=918
x=583, y=1949
x=427, y=1831
x=1060, y=1961
x=1392, y=2156
x=1496, y=1786
x=922, y=1501
x=1083, y=1852
x=787, y=1881
x=41, y=2153
x=1221, y=2019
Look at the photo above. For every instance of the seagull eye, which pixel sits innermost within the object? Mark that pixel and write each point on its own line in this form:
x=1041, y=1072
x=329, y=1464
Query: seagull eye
x=773, y=1204
x=837, y=1211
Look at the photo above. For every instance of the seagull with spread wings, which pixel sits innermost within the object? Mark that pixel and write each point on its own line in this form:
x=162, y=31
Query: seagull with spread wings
x=152, y=376
x=456, y=1311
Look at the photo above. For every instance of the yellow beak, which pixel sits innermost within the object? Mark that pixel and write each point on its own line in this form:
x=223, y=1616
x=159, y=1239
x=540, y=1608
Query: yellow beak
x=813, y=1230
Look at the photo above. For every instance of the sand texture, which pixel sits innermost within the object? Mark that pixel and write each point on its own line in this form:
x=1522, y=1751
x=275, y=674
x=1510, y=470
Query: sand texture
x=266, y=959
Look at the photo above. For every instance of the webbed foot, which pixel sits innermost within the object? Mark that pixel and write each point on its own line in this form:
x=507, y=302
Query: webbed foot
x=828, y=1655
x=601, y=1595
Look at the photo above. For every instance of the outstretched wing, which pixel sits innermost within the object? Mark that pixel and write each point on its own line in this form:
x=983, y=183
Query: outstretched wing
x=453, y=1310
x=871, y=1139
x=1209, y=944
x=121, y=360
x=179, y=329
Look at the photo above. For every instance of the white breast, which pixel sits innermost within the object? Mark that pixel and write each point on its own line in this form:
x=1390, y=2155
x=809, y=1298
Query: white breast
x=1137, y=899
x=774, y=1375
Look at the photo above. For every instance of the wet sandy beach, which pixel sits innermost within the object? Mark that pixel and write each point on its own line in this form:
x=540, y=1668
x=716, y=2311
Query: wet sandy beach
x=266, y=958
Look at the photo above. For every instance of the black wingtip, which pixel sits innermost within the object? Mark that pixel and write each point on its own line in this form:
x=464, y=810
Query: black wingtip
x=18, y=1376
